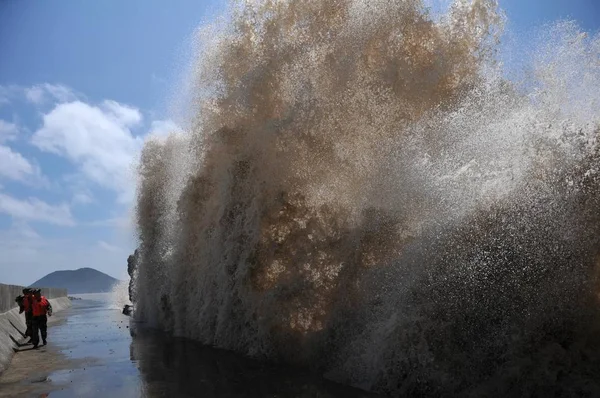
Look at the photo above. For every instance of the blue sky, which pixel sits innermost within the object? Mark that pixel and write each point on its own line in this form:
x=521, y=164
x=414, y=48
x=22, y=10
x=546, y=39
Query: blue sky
x=81, y=83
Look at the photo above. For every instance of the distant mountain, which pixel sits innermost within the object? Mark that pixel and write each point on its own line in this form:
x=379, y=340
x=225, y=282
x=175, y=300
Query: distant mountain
x=83, y=280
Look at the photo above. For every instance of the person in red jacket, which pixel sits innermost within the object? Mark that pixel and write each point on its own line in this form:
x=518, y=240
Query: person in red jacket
x=41, y=309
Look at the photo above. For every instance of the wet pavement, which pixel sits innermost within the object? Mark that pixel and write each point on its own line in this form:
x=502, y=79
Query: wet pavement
x=91, y=353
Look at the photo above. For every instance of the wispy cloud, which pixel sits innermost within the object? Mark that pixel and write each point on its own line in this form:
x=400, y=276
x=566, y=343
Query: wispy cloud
x=13, y=165
x=24, y=230
x=16, y=167
x=8, y=131
x=157, y=79
x=82, y=198
x=124, y=222
x=35, y=94
x=79, y=188
x=28, y=255
x=38, y=94
x=108, y=247
x=42, y=93
x=34, y=209
x=4, y=95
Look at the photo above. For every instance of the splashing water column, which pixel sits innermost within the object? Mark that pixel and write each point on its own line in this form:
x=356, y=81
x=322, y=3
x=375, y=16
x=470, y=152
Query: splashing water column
x=364, y=192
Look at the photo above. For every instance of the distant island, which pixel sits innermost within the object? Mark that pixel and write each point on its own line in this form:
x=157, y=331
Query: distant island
x=83, y=280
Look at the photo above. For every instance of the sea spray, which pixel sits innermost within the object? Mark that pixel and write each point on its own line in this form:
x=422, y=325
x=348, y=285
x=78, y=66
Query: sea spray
x=363, y=191
x=119, y=295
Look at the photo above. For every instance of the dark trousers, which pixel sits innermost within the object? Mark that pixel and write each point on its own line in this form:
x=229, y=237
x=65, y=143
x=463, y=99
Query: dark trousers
x=39, y=325
x=28, y=316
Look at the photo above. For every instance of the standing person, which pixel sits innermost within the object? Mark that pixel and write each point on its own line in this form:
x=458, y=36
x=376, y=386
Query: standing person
x=41, y=310
x=26, y=307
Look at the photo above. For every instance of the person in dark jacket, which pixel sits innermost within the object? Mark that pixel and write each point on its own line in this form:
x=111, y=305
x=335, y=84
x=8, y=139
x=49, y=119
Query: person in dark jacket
x=41, y=309
x=25, y=302
x=19, y=301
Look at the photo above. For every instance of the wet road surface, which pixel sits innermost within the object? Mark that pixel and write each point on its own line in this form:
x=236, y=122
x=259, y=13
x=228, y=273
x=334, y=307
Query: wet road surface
x=91, y=353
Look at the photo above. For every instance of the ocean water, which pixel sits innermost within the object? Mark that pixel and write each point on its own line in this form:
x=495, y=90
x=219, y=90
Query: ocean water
x=364, y=189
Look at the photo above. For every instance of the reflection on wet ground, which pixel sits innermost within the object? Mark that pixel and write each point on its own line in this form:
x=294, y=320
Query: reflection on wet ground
x=177, y=368
x=107, y=361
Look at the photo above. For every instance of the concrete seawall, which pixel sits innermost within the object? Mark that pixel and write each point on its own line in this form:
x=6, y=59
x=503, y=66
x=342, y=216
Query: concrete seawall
x=12, y=324
x=9, y=292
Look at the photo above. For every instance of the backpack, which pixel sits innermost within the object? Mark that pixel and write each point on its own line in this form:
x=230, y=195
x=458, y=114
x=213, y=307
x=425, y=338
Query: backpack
x=19, y=300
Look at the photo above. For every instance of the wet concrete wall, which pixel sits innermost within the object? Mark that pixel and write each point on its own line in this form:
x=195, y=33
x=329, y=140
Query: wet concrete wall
x=8, y=293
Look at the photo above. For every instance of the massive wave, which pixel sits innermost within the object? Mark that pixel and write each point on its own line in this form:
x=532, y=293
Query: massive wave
x=364, y=190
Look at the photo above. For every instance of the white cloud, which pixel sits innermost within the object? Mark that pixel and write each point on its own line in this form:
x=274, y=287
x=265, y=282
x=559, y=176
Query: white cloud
x=163, y=128
x=42, y=93
x=99, y=141
x=96, y=139
x=125, y=115
x=15, y=167
x=34, y=209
